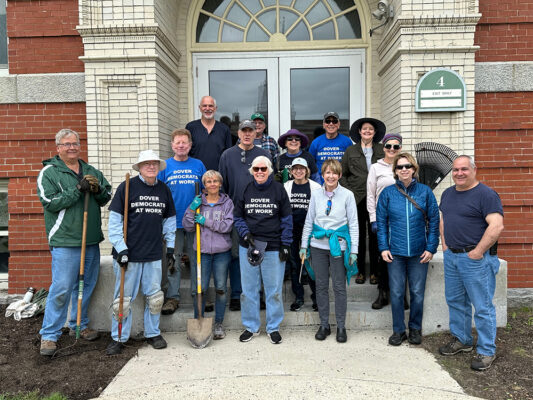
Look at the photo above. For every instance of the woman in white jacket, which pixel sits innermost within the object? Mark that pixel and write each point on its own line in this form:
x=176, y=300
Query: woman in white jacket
x=380, y=176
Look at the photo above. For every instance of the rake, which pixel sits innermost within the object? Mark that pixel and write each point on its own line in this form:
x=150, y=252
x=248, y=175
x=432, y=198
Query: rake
x=435, y=161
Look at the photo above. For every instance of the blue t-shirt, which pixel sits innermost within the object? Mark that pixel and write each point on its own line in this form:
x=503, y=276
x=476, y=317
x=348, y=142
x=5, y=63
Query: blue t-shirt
x=208, y=147
x=323, y=148
x=464, y=213
x=180, y=177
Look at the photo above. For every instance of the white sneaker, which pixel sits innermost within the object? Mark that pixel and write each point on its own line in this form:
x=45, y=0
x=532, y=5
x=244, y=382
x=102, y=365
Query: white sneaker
x=220, y=333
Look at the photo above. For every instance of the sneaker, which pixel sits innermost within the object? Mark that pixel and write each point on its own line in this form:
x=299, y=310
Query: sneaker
x=481, y=362
x=315, y=307
x=86, y=334
x=209, y=306
x=360, y=278
x=114, y=348
x=454, y=347
x=275, y=337
x=246, y=336
x=397, y=338
x=170, y=306
x=415, y=336
x=219, y=333
x=297, y=305
x=235, y=305
x=48, y=348
x=157, y=342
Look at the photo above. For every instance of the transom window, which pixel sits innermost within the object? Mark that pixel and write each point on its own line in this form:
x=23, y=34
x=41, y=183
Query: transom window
x=226, y=21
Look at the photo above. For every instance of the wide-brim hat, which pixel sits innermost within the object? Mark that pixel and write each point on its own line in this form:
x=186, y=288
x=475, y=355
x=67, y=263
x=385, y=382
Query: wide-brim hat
x=293, y=132
x=379, y=127
x=149, y=155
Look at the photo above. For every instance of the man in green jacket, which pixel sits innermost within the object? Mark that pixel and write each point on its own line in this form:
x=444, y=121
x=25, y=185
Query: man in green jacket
x=61, y=186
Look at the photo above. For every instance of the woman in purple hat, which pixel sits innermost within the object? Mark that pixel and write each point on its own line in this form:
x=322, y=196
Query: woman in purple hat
x=295, y=142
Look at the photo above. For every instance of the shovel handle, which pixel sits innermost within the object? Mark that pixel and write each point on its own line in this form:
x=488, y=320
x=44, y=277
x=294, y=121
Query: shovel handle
x=122, y=269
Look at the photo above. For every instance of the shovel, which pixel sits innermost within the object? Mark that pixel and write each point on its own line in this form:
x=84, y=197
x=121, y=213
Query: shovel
x=82, y=262
x=199, y=330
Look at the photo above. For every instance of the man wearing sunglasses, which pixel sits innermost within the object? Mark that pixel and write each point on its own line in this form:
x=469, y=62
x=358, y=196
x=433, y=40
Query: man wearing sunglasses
x=331, y=144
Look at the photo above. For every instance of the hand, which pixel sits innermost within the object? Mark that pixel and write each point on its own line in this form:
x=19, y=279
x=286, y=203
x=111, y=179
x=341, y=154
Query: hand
x=426, y=257
x=386, y=256
x=122, y=259
x=374, y=227
x=89, y=183
x=196, y=202
x=200, y=219
x=248, y=238
x=171, y=260
x=474, y=255
x=303, y=253
x=284, y=253
x=353, y=258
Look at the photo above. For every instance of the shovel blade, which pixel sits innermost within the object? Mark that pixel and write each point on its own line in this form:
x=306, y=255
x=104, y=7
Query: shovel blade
x=200, y=332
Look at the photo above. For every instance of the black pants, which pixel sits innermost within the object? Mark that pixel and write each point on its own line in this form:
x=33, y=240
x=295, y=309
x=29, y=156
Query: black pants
x=364, y=228
x=295, y=264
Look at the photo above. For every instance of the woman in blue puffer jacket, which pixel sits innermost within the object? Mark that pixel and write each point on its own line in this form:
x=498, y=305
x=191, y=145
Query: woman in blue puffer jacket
x=407, y=217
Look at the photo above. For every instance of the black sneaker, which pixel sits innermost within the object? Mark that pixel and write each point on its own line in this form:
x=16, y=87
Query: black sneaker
x=157, y=342
x=481, y=362
x=297, y=305
x=397, y=338
x=246, y=336
x=235, y=305
x=322, y=333
x=315, y=307
x=454, y=347
x=415, y=336
x=114, y=348
x=209, y=307
x=275, y=337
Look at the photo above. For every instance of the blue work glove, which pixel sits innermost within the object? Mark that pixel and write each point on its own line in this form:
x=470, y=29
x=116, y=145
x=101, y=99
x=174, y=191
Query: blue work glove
x=353, y=258
x=200, y=219
x=196, y=202
x=374, y=227
x=302, y=253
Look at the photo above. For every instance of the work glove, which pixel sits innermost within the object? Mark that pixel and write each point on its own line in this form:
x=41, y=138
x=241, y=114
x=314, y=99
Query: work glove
x=122, y=259
x=303, y=253
x=171, y=260
x=249, y=239
x=89, y=183
x=374, y=227
x=196, y=202
x=284, y=253
x=200, y=219
x=353, y=258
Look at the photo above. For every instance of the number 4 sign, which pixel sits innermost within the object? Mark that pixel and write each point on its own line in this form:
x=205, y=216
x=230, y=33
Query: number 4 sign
x=440, y=90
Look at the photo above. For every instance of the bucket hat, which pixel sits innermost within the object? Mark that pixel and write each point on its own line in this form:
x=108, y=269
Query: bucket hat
x=149, y=155
x=293, y=132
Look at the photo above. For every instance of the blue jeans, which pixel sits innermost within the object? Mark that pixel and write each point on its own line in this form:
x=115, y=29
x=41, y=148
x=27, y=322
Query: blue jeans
x=64, y=288
x=416, y=273
x=217, y=265
x=184, y=242
x=147, y=277
x=472, y=282
x=271, y=271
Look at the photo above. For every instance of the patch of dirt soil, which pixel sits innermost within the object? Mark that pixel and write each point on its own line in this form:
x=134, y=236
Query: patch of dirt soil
x=511, y=374
x=80, y=370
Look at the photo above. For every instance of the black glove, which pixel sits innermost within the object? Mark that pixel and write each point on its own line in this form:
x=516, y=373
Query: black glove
x=248, y=238
x=171, y=260
x=284, y=253
x=89, y=183
x=122, y=259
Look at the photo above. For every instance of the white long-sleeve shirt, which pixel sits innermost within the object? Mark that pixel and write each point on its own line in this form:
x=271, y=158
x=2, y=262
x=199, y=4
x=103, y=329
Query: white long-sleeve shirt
x=379, y=177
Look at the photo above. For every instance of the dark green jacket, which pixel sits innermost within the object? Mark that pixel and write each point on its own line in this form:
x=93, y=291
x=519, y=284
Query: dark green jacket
x=355, y=171
x=63, y=204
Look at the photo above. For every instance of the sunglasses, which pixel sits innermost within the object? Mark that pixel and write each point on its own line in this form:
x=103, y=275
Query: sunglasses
x=294, y=139
x=257, y=169
x=328, y=207
x=393, y=146
x=331, y=121
x=404, y=166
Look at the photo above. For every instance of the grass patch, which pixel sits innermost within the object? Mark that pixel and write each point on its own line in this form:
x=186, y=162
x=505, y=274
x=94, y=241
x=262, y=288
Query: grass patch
x=32, y=396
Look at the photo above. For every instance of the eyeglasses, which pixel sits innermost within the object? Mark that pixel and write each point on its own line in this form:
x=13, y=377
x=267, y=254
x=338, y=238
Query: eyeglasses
x=243, y=157
x=389, y=146
x=404, y=166
x=69, y=145
x=257, y=169
x=328, y=207
x=331, y=121
x=149, y=164
x=294, y=139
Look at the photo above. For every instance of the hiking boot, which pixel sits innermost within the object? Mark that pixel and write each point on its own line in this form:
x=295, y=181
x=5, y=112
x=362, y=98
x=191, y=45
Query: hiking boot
x=219, y=333
x=86, y=334
x=322, y=333
x=157, y=342
x=397, y=338
x=415, y=336
x=48, y=348
x=246, y=336
x=170, y=306
x=209, y=306
x=114, y=348
x=341, y=335
x=381, y=301
x=275, y=337
x=454, y=347
x=297, y=305
x=235, y=305
x=481, y=362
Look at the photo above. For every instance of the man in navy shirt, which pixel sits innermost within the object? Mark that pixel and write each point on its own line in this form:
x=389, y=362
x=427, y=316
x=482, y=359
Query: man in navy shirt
x=471, y=223
x=209, y=137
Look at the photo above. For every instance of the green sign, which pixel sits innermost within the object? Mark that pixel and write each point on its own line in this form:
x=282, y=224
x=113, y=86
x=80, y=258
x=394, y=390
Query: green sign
x=440, y=90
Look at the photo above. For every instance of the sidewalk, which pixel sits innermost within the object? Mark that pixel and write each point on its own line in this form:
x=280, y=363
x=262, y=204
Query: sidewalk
x=299, y=368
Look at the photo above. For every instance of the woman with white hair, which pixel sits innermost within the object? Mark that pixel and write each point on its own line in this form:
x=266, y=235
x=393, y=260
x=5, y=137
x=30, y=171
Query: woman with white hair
x=262, y=217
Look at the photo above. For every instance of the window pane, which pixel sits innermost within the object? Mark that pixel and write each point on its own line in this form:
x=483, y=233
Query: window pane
x=231, y=34
x=252, y=5
x=4, y=254
x=340, y=5
x=268, y=19
x=237, y=15
x=286, y=19
x=299, y=33
x=302, y=5
x=256, y=34
x=269, y=2
x=349, y=26
x=318, y=13
x=285, y=2
x=216, y=7
x=324, y=32
x=4, y=215
x=207, y=29
x=3, y=33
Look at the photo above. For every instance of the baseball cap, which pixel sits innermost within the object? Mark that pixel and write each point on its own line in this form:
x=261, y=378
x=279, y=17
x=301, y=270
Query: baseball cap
x=331, y=114
x=257, y=116
x=247, y=124
x=299, y=161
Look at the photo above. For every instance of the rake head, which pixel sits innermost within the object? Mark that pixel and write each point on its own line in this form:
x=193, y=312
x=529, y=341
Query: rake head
x=435, y=161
